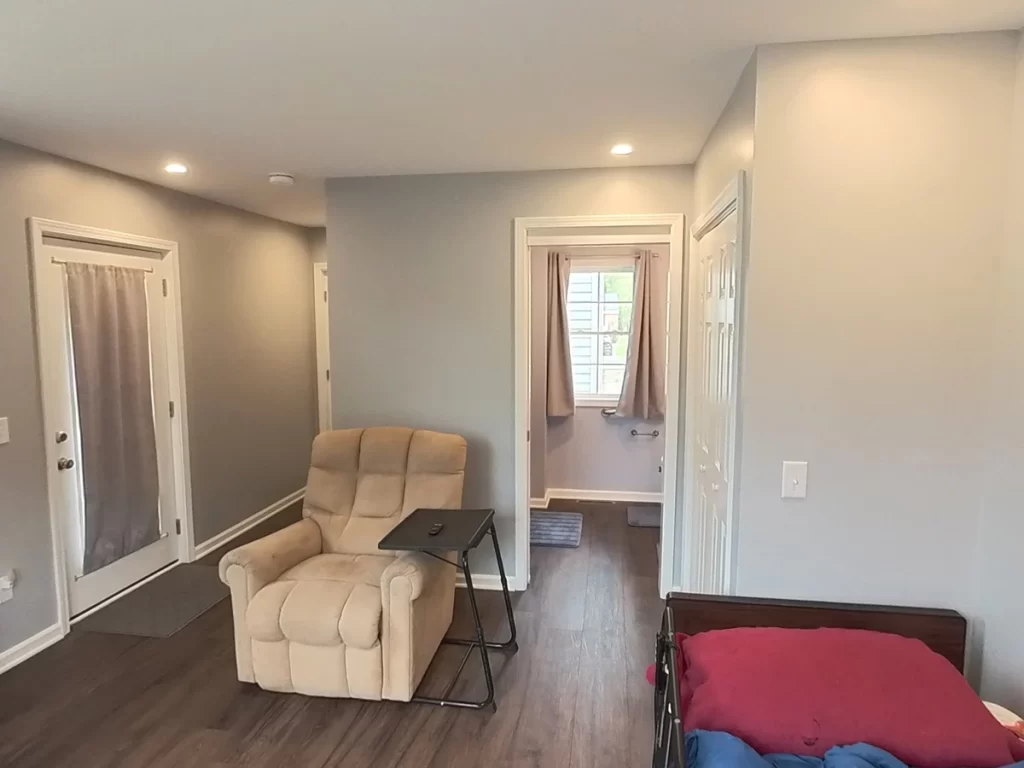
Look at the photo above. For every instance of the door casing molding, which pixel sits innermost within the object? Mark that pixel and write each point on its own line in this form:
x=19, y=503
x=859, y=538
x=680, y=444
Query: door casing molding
x=161, y=250
x=322, y=327
x=580, y=230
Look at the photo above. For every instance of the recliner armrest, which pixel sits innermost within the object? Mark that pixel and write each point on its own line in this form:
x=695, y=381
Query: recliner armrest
x=264, y=560
x=417, y=594
x=418, y=568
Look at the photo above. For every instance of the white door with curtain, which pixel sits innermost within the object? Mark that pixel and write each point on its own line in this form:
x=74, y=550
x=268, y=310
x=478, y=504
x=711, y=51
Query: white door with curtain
x=109, y=376
x=715, y=278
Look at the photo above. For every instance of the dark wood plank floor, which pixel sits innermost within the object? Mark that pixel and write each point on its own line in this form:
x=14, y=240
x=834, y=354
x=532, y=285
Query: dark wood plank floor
x=574, y=695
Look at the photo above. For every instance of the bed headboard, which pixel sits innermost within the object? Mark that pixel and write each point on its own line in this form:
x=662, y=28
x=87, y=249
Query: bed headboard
x=944, y=631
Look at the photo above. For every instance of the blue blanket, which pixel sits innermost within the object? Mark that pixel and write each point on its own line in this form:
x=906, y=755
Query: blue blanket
x=715, y=749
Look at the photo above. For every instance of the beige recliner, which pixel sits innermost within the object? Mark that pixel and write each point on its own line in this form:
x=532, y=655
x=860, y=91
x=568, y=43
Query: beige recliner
x=318, y=609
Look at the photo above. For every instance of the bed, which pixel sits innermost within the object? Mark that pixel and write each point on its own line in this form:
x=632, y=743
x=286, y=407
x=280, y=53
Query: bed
x=943, y=631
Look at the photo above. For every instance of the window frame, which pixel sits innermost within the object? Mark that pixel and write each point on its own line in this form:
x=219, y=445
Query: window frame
x=601, y=264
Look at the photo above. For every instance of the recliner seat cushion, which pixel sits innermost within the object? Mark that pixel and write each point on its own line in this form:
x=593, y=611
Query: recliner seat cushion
x=328, y=600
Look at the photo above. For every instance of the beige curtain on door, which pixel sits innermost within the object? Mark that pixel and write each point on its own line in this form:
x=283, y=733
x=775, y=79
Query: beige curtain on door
x=643, y=389
x=561, y=400
x=110, y=339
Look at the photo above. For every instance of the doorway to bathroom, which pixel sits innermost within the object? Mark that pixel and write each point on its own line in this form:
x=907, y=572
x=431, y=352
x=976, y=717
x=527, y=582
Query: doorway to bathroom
x=599, y=332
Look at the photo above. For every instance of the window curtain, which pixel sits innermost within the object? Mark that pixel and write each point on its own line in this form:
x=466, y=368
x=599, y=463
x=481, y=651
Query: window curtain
x=110, y=338
x=561, y=400
x=643, y=388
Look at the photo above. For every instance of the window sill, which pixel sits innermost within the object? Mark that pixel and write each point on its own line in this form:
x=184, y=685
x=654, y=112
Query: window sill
x=608, y=403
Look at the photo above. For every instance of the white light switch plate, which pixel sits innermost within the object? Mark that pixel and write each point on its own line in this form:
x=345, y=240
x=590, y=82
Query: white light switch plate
x=5, y=431
x=794, y=479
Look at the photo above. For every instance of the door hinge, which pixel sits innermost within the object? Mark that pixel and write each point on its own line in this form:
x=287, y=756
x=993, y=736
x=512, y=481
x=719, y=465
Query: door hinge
x=170, y=408
x=164, y=281
x=325, y=297
x=527, y=435
x=177, y=527
x=328, y=374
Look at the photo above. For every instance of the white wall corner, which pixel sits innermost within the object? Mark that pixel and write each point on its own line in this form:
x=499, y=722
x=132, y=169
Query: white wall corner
x=541, y=503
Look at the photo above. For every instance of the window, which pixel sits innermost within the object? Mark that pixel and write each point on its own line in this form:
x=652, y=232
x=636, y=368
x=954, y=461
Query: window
x=600, y=307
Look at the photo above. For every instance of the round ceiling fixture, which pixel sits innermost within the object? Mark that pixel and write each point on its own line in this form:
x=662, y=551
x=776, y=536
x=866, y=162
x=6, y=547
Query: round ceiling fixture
x=281, y=179
x=622, y=149
x=176, y=168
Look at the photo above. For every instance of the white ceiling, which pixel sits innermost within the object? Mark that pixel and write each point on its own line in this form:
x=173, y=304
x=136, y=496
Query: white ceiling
x=323, y=88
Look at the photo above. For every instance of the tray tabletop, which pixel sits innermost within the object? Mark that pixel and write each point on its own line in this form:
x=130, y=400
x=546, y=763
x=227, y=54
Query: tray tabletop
x=462, y=530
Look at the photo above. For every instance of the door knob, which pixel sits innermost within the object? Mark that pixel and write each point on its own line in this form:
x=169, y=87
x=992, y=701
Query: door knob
x=62, y=436
x=63, y=463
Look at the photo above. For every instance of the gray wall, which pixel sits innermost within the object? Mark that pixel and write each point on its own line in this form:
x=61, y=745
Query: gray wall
x=421, y=299
x=589, y=452
x=998, y=612
x=877, y=219
x=249, y=356
x=728, y=150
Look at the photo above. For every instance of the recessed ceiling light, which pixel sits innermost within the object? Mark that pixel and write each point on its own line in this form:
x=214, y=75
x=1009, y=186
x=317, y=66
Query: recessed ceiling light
x=622, y=149
x=176, y=168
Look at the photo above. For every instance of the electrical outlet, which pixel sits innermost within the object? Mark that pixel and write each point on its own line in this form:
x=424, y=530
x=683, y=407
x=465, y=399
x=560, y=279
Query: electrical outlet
x=7, y=580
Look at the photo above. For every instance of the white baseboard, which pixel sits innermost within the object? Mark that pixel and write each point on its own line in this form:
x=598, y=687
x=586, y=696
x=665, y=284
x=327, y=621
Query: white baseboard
x=26, y=649
x=490, y=582
x=252, y=521
x=541, y=503
x=639, y=497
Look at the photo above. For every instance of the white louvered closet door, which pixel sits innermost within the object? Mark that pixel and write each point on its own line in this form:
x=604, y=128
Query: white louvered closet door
x=715, y=333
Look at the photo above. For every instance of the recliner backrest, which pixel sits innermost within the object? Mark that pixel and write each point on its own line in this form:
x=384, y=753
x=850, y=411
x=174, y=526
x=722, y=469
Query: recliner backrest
x=363, y=482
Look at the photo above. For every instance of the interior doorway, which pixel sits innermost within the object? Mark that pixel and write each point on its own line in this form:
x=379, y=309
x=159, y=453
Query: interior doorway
x=108, y=328
x=321, y=314
x=602, y=443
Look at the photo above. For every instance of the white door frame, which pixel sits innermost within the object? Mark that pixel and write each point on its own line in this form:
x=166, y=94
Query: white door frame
x=731, y=199
x=164, y=250
x=537, y=231
x=321, y=317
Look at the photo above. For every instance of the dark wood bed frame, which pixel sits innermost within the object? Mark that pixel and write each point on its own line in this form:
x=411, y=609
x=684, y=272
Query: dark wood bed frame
x=944, y=631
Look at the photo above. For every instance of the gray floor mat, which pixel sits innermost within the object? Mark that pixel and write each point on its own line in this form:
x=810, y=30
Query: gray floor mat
x=555, y=529
x=163, y=606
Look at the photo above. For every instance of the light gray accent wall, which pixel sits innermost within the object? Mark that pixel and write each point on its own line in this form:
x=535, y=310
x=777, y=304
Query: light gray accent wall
x=589, y=452
x=877, y=226
x=730, y=145
x=999, y=618
x=421, y=299
x=249, y=356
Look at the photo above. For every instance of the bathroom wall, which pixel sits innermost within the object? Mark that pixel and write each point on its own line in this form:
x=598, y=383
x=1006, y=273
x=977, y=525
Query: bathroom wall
x=589, y=451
